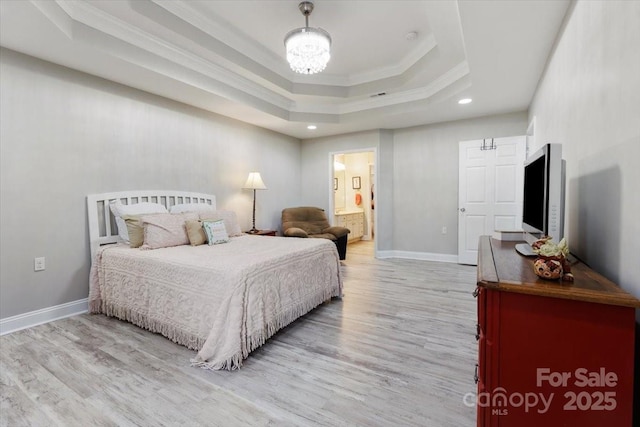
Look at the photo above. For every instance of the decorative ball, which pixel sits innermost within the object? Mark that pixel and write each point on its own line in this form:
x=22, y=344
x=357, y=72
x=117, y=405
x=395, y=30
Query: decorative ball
x=548, y=267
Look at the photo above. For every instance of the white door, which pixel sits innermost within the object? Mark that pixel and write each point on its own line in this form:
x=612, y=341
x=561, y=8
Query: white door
x=489, y=191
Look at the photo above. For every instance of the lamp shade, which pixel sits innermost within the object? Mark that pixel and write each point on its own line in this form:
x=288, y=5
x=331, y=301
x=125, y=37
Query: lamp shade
x=254, y=182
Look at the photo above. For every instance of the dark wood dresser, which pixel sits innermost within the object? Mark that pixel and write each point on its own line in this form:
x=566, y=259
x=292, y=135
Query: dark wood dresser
x=262, y=233
x=551, y=353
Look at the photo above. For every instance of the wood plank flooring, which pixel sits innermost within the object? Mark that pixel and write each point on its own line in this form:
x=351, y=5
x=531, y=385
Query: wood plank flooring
x=397, y=350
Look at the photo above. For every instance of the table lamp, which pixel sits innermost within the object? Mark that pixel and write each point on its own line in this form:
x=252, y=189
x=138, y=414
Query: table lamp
x=254, y=182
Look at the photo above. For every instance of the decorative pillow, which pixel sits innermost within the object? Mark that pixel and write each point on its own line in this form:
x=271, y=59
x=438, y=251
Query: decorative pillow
x=120, y=210
x=216, y=232
x=135, y=230
x=166, y=230
x=196, y=233
x=192, y=207
x=230, y=221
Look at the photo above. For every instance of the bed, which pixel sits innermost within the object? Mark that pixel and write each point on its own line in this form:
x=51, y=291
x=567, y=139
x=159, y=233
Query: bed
x=222, y=300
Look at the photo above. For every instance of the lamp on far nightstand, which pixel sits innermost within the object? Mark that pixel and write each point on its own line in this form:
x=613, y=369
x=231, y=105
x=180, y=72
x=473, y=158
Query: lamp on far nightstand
x=254, y=182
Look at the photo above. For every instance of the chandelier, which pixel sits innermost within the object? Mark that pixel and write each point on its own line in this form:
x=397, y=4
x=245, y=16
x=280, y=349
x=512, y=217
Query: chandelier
x=308, y=49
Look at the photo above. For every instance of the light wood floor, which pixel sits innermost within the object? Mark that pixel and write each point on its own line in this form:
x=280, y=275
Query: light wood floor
x=397, y=350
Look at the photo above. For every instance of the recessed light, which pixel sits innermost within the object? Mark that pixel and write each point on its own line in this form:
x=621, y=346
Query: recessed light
x=312, y=127
x=465, y=101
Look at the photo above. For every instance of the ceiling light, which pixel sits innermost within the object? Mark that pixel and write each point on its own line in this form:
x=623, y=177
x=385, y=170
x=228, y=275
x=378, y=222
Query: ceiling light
x=312, y=127
x=465, y=101
x=308, y=49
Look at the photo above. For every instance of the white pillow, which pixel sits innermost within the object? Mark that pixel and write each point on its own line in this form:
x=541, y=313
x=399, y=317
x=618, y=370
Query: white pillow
x=216, y=233
x=230, y=220
x=119, y=210
x=192, y=207
x=166, y=230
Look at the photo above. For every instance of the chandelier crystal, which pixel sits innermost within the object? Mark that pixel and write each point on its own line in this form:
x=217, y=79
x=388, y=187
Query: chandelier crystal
x=308, y=49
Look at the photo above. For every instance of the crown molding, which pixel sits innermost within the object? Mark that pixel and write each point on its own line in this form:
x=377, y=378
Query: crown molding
x=215, y=74
x=419, y=94
x=190, y=13
x=249, y=48
x=183, y=63
x=399, y=70
x=85, y=23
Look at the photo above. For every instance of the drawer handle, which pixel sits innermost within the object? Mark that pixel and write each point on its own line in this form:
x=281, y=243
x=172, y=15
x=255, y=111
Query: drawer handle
x=475, y=375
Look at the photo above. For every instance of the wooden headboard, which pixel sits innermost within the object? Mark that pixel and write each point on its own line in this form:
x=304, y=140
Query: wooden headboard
x=102, y=226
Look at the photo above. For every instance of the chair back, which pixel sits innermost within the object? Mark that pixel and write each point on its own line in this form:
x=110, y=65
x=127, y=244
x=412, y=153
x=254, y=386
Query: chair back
x=310, y=219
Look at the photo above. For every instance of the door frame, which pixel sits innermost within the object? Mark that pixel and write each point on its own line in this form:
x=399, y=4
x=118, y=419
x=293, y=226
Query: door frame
x=331, y=175
x=521, y=141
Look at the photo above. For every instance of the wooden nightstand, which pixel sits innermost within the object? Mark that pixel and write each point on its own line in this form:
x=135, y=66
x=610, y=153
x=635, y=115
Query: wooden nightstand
x=263, y=233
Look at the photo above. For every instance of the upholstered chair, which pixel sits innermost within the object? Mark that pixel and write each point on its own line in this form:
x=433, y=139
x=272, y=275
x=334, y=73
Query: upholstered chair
x=312, y=222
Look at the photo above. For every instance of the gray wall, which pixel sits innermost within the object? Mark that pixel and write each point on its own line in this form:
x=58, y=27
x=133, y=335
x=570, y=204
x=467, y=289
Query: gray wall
x=316, y=172
x=417, y=178
x=425, y=180
x=588, y=101
x=65, y=134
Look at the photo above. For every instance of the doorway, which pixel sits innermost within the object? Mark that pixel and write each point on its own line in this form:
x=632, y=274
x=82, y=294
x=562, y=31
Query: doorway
x=352, y=197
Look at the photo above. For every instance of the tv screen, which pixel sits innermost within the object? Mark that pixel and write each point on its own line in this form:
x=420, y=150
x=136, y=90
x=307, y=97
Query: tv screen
x=543, y=196
x=533, y=208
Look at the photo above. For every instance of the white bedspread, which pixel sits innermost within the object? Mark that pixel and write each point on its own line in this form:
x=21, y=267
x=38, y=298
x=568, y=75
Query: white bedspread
x=223, y=300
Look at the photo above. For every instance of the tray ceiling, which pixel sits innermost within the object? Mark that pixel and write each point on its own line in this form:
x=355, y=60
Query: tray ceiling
x=228, y=56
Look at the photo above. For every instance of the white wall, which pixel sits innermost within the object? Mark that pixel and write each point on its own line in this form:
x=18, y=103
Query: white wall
x=417, y=174
x=65, y=134
x=589, y=100
x=357, y=164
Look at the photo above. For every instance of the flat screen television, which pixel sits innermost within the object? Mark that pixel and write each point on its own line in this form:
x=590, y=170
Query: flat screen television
x=543, y=196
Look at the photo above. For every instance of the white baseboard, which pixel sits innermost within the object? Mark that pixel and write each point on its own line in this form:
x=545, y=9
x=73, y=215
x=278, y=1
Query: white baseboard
x=422, y=256
x=45, y=315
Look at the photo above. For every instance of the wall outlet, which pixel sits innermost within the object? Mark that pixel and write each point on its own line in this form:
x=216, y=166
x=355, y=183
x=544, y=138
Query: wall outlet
x=444, y=230
x=38, y=264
